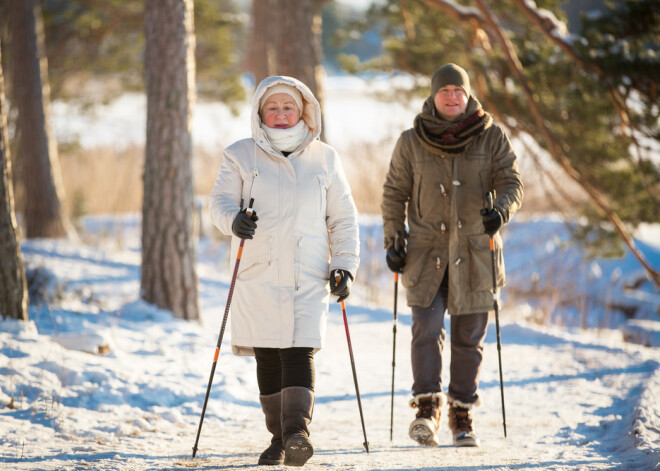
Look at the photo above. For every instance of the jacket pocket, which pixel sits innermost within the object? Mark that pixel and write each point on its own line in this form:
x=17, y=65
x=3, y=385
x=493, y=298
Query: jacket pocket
x=480, y=266
x=253, y=271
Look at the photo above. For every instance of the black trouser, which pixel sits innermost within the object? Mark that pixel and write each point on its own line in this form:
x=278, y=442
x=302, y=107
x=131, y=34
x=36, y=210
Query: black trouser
x=279, y=368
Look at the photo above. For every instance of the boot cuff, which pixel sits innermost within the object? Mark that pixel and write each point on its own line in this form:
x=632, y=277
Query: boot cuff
x=455, y=402
x=440, y=396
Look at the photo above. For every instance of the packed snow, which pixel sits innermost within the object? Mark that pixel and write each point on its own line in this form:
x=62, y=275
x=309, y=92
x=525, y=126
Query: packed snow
x=98, y=379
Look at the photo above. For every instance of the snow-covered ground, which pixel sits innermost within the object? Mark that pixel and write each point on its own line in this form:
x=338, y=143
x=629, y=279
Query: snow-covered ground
x=575, y=399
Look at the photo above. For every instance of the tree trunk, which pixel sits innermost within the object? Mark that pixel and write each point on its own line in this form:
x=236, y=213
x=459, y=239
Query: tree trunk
x=286, y=40
x=169, y=277
x=13, y=288
x=37, y=148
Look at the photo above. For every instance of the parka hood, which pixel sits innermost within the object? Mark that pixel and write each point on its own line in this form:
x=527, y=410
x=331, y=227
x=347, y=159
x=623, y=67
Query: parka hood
x=311, y=112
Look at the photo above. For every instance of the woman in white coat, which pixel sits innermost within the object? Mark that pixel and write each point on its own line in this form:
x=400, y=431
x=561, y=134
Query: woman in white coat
x=302, y=233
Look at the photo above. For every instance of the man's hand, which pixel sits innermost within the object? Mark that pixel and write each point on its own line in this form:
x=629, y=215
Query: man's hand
x=396, y=253
x=492, y=221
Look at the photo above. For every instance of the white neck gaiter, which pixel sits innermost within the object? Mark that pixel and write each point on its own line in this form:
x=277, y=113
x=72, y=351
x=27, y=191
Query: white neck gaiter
x=289, y=139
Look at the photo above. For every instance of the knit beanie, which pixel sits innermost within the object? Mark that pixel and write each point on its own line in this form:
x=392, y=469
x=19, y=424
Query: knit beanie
x=450, y=74
x=283, y=88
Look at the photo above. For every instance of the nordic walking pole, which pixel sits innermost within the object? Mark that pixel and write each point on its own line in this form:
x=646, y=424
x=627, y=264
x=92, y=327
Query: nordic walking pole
x=489, y=198
x=396, y=293
x=248, y=211
x=350, y=351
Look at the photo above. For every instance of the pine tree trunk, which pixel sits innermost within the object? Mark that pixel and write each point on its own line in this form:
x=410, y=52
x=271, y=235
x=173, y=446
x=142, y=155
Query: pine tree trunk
x=297, y=41
x=37, y=148
x=257, y=59
x=13, y=288
x=286, y=40
x=169, y=277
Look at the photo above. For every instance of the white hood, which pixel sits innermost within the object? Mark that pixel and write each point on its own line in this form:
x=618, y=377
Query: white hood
x=311, y=112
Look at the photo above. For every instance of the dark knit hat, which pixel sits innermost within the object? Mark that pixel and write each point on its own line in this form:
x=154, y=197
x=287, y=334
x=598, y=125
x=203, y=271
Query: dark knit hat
x=450, y=74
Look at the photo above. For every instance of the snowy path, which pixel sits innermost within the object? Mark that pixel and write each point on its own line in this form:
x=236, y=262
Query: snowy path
x=573, y=401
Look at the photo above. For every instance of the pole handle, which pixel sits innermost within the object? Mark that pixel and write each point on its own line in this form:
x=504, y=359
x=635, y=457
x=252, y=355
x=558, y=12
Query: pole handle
x=249, y=209
x=489, y=201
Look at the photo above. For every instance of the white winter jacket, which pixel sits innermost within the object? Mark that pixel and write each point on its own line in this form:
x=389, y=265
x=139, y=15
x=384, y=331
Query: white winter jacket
x=307, y=227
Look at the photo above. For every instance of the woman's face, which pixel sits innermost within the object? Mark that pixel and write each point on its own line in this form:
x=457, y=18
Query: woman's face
x=280, y=111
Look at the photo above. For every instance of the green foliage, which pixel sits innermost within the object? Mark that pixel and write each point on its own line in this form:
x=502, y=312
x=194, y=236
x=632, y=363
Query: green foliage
x=101, y=43
x=624, y=41
x=576, y=104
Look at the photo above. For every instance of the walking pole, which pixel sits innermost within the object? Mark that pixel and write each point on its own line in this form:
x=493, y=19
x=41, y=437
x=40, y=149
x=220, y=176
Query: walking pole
x=396, y=293
x=222, y=331
x=350, y=352
x=489, y=198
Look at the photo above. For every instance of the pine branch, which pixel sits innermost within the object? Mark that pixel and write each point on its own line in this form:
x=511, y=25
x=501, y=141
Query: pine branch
x=596, y=197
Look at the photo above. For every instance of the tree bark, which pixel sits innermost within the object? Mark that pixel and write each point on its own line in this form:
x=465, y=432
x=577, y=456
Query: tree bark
x=13, y=287
x=169, y=277
x=286, y=40
x=37, y=148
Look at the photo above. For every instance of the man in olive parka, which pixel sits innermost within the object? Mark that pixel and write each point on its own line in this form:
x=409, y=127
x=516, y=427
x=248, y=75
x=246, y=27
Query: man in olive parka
x=440, y=173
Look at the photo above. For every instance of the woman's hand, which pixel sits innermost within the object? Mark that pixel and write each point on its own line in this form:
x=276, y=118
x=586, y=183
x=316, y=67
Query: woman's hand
x=244, y=225
x=340, y=284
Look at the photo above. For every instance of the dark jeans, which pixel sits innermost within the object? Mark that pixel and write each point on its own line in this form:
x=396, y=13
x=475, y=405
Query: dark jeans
x=279, y=368
x=467, y=336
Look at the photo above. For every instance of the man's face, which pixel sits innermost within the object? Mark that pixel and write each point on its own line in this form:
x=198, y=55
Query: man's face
x=450, y=101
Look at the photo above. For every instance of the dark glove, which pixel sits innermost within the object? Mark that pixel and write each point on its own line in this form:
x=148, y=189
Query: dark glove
x=343, y=288
x=492, y=221
x=243, y=226
x=396, y=254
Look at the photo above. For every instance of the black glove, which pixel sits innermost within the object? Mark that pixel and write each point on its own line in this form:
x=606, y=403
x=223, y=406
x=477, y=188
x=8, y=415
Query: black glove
x=396, y=253
x=243, y=226
x=492, y=221
x=343, y=288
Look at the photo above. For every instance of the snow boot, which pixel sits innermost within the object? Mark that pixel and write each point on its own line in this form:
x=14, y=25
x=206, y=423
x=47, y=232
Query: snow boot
x=271, y=404
x=425, y=426
x=297, y=407
x=460, y=423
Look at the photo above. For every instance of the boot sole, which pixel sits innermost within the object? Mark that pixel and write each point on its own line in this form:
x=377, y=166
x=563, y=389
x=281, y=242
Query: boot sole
x=422, y=435
x=464, y=440
x=298, y=451
x=270, y=462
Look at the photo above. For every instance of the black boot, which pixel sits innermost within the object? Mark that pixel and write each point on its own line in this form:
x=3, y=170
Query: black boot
x=297, y=406
x=272, y=407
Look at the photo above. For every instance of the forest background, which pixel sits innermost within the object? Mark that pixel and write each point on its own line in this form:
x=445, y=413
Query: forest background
x=575, y=84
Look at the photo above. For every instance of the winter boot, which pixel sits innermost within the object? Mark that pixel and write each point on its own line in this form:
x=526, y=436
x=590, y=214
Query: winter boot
x=425, y=426
x=272, y=407
x=460, y=423
x=297, y=406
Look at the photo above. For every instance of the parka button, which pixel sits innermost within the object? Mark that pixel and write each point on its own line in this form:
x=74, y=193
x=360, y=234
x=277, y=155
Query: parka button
x=456, y=183
x=459, y=224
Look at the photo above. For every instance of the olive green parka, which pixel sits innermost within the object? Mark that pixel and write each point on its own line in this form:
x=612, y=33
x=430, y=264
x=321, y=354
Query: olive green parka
x=442, y=196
